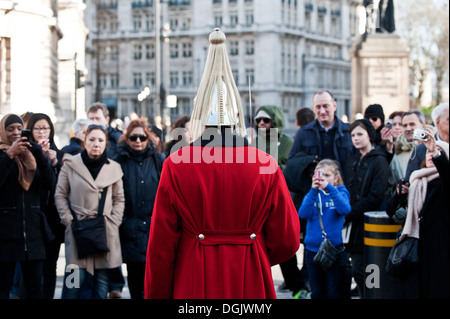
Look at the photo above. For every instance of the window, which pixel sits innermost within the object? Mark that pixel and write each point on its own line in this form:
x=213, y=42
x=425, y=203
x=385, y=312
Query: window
x=187, y=50
x=149, y=51
x=136, y=22
x=187, y=78
x=137, y=80
x=173, y=79
x=149, y=23
x=234, y=48
x=103, y=81
x=137, y=52
x=249, y=18
x=234, y=19
x=236, y=76
x=218, y=20
x=114, y=80
x=249, y=47
x=174, y=50
x=250, y=74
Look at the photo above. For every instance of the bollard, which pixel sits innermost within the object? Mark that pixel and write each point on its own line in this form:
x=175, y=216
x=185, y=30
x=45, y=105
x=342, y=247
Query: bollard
x=380, y=234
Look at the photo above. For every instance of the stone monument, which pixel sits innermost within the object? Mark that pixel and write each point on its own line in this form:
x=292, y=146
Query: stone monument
x=380, y=73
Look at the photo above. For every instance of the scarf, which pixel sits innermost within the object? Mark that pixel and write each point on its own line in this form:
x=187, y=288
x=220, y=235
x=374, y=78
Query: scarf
x=94, y=165
x=402, y=144
x=26, y=162
x=417, y=194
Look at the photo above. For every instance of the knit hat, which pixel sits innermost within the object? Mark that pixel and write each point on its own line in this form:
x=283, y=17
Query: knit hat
x=374, y=110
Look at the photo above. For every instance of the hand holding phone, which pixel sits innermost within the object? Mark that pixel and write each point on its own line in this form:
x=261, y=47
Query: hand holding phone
x=27, y=134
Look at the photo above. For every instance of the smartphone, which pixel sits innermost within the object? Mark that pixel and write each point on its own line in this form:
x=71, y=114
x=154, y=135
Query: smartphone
x=27, y=134
x=318, y=173
x=389, y=124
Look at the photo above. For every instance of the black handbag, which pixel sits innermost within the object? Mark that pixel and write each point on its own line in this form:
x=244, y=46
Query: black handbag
x=90, y=234
x=327, y=254
x=404, y=256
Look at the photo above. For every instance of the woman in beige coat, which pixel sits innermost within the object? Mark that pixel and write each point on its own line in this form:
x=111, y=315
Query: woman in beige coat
x=80, y=184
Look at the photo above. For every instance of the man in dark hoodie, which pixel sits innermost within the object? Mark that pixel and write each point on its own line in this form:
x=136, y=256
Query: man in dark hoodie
x=270, y=138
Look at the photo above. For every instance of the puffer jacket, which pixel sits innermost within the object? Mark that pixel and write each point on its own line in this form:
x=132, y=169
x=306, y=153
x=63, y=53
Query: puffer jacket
x=366, y=178
x=140, y=182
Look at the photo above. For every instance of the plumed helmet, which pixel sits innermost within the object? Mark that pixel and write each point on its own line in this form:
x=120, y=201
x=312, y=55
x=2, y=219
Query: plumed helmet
x=217, y=102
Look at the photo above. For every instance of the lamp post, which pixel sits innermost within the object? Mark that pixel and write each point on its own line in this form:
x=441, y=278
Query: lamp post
x=142, y=96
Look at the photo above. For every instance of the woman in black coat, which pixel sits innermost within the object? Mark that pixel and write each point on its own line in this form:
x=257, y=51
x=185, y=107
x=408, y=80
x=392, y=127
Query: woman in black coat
x=141, y=165
x=24, y=171
x=43, y=133
x=428, y=220
x=366, y=178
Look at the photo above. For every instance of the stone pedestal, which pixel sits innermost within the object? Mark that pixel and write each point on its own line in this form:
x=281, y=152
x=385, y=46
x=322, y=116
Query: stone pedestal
x=380, y=74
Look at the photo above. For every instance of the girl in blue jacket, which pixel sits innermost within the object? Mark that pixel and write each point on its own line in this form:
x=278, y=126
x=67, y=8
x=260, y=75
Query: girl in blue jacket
x=328, y=192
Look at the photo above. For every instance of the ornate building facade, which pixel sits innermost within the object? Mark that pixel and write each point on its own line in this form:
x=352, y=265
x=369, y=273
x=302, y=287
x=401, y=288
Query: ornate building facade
x=286, y=49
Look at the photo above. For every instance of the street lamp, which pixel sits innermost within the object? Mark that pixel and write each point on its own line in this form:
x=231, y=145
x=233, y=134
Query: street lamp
x=144, y=94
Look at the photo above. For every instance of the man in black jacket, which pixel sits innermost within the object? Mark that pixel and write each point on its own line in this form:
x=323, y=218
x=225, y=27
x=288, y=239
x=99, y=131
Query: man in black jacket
x=326, y=136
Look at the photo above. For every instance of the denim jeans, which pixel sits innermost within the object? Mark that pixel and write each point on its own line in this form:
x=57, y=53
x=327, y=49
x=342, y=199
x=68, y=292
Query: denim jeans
x=325, y=284
x=74, y=280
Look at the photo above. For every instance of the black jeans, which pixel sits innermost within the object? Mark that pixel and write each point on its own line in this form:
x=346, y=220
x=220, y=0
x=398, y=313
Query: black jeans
x=31, y=274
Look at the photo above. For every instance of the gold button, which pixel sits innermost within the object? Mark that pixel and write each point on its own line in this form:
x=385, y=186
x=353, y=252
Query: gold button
x=201, y=236
x=253, y=236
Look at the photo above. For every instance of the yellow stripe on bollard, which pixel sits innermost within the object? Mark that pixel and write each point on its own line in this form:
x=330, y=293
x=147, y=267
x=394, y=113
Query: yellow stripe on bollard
x=379, y=242
x=382, y=228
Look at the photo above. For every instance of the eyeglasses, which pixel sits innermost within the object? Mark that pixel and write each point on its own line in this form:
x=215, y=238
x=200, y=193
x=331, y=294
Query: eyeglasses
x=41, y=129
x=373, y=118
x=134, y=138
x=95, y=127
x=264, y=119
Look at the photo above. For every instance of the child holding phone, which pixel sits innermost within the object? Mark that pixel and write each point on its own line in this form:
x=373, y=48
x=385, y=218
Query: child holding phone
x=328, y=191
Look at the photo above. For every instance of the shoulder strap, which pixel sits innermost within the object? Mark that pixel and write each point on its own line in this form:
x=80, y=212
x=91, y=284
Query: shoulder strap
x=101, y=205
x=319, y=213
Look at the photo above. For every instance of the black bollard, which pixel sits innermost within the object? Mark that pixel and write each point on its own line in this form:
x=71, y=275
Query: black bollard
x=380, y=234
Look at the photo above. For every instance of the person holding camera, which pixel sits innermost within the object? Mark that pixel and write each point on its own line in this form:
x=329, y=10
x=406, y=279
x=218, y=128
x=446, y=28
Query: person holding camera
x=24, y=171
x=328, y=195
x=428, y=220
x=366, y=178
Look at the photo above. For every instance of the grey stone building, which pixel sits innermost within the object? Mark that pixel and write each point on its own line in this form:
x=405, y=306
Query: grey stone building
x=288, y=49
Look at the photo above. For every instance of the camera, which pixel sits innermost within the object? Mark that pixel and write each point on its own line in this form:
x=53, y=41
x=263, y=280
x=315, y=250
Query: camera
x=420, y=135
x=318, y=173
x=27, y=134
x=389, y=124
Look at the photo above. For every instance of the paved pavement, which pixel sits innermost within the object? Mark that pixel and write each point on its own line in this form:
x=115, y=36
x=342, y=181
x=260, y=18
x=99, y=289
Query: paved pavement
x=276, y=274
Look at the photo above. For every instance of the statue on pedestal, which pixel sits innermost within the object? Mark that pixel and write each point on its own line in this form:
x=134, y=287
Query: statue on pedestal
x=379, y=16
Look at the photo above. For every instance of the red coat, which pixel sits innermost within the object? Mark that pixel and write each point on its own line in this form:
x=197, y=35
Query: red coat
x=217, y=228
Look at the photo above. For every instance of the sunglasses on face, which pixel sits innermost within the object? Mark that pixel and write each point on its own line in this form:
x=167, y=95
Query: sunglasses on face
x=264, y=119
x=134, y=138
x=373, y=118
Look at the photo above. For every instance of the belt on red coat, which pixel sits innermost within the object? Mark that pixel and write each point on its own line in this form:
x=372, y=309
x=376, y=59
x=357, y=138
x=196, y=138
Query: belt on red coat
x=227, y=237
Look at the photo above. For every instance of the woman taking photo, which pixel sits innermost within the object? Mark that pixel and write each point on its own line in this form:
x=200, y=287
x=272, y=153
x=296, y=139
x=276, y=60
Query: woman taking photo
x=141, y=165
x=81, y=181
x=42, y=133
x=24, y=171
x=428, y=220
x=366, y=178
